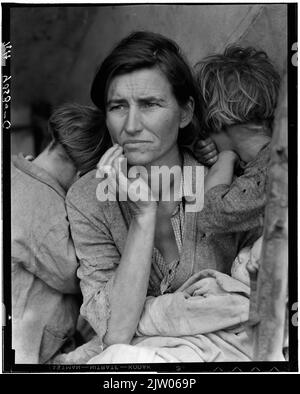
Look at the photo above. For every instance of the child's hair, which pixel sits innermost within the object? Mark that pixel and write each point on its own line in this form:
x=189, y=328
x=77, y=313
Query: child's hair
x=80, y=131
x=239, y=86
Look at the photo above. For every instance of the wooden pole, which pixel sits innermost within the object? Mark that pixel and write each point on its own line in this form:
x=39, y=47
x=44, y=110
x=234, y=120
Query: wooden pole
x=272, y=283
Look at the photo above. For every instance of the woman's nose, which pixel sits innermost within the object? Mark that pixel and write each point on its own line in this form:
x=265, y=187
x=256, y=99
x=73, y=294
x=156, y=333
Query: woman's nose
x=133, y=121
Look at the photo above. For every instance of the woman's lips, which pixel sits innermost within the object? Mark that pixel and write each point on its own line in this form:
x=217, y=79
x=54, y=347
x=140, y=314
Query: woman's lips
x=134, y=143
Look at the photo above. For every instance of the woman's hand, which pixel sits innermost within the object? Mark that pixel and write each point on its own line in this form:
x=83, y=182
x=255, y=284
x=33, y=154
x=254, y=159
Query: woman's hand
x=131, y=277
x=206, y=152
x=113, y=163
x=204, y=287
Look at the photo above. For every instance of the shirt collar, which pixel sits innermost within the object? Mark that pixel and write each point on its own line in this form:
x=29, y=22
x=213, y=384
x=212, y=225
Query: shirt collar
x=38, y=173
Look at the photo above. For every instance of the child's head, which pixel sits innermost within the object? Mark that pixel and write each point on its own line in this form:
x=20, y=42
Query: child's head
x=78, y=132
x=238, y=87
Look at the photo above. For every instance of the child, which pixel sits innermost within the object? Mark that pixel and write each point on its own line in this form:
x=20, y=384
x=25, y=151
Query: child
x=45, y=288
x=248, y=256
x=239, y=90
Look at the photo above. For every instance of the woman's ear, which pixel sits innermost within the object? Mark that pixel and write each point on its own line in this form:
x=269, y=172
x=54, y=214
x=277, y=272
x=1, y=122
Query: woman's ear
x=187, y=113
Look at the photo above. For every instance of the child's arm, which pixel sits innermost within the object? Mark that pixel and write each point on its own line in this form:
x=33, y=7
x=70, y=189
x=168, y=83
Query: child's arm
x=221, y=173
x=238, y=206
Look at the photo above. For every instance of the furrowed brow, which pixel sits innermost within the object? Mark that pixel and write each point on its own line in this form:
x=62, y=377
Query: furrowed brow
x=151, y=98
x=115, y=101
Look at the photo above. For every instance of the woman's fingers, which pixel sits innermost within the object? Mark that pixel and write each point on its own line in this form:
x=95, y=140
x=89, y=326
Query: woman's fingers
x=122, y=179
x=116, y=153
x=204, y=287
x=105, y=165
x=118, y=165
x=107, y=154
x=113, y=165
x=195, y=286
x=106, y=158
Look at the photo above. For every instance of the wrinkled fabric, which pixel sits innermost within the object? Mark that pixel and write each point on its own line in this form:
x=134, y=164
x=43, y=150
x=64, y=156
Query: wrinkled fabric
x=239, y=206
x=201, y=322
x=45, y=287
x=99, y=231
x=220, y=300
x=81, y=355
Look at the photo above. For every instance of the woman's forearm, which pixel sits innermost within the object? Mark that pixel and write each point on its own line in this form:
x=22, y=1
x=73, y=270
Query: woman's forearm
x=131, y=280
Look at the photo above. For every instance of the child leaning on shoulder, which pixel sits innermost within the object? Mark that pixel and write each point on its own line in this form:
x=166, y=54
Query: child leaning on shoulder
x=239, y=90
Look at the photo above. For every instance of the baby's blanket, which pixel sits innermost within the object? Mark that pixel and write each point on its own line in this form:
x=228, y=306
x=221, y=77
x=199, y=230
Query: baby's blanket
x=201, y=322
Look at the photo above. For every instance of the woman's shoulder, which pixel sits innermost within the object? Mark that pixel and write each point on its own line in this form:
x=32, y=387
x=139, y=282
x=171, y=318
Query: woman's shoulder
x=86, y=182
x=83, y=191
x=83, y=195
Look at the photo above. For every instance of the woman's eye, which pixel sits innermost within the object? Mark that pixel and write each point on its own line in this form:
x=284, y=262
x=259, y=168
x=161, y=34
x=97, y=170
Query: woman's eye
x=117, y=107
x=149, y=105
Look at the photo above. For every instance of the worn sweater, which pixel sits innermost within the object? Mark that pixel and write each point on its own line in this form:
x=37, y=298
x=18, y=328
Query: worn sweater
x=99, y=231
x=45, y=288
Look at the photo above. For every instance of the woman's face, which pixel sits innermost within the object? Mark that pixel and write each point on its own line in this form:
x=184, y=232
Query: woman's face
x=143, y=116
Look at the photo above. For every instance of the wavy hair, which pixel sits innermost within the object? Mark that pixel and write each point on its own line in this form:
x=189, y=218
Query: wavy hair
x=143, y=49
x=237, y=87
x=81, y=132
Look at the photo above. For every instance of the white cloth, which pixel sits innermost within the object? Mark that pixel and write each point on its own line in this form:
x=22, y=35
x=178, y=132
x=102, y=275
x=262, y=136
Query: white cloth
x=201, y=322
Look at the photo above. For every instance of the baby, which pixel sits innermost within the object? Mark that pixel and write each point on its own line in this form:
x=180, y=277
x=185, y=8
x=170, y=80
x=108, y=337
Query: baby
x=248, y=258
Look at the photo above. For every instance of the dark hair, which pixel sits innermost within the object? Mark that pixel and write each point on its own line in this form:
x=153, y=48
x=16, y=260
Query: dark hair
x=239, y=86
x=148, y=50
x=80, y=130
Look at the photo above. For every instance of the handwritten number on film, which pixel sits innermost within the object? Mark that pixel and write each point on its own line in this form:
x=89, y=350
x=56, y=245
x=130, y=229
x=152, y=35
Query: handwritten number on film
x=6, y=98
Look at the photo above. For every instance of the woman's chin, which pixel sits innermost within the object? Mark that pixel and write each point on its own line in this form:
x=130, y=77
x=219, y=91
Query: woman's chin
x=138, y=159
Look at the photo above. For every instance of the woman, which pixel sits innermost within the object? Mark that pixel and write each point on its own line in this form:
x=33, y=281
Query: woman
x=45, y=291
x=131, y=249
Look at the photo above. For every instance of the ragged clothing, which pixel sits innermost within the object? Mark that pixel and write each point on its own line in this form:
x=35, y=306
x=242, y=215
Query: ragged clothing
x=45, y=289
x=203, y=321
x=239, y=206
x=99, y=231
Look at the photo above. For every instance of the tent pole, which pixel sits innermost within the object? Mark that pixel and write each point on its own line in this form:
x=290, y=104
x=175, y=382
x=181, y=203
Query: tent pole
x=271, y=295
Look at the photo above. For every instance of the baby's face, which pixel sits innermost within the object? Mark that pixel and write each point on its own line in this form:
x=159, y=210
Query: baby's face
x=239, y=267
x=249, y=254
